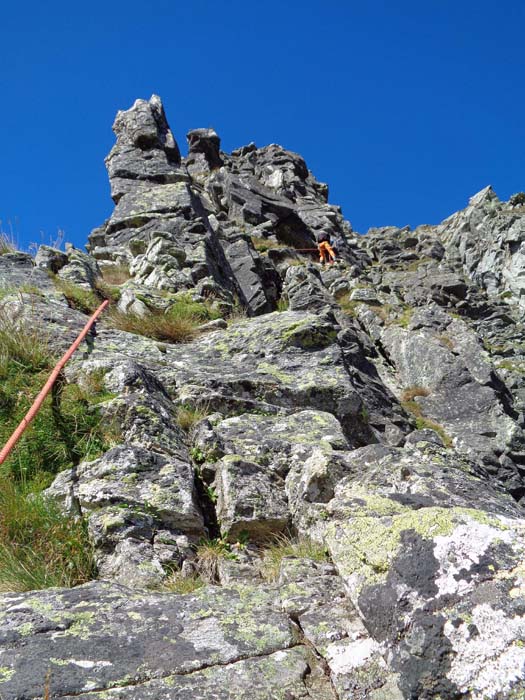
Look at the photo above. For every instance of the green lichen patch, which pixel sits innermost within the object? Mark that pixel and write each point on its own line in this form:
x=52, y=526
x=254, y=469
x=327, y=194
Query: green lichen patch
x=6, y=673
x=367, y=545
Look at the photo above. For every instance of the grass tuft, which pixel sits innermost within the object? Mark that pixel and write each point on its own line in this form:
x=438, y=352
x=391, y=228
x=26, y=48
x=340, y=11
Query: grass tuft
x=67, y=428
x=262, y=245
x=177, y=583
x=40, y=547
x=78, y=298
x=115, y=274
x=7, y=244
x=157, y=325
x=413, y=391
x=209, y=554
x=188, y=416
x=284, y=546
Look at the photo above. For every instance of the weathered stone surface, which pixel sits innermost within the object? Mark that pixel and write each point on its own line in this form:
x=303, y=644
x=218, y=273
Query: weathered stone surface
x=101, y=636
x=433, y=559
x=487, y=236
x=382, y=416
x=50, y=259
x=145, y=148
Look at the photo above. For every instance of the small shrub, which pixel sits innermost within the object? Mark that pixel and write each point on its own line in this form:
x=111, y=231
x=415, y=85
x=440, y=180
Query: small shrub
x=410, y=394
x=157, y=325
x=40, y=547
x=284, y=546
x=517, y=199
x=177, y=583
x=282, y=304
x=188, y=416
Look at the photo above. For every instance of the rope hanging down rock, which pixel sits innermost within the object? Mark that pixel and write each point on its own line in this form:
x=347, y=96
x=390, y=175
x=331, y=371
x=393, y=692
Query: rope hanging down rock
x=48, y=385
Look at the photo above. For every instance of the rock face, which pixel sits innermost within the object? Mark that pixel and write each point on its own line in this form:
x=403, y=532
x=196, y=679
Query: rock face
x=373, y=409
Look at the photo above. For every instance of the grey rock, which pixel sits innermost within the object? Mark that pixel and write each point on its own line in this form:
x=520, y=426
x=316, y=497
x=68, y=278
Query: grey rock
x=50, y=259
x=101, y=636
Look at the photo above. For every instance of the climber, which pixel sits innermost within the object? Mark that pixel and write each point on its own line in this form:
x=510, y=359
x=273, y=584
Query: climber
x=326, y=252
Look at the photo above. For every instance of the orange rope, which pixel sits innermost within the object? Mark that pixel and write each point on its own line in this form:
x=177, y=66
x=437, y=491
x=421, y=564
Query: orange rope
x=47, y=387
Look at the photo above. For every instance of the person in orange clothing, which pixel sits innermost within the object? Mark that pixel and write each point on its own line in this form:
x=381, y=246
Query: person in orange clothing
x=326, y=252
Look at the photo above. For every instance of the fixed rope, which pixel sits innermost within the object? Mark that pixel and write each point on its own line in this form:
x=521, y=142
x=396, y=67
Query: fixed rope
x=37, y=403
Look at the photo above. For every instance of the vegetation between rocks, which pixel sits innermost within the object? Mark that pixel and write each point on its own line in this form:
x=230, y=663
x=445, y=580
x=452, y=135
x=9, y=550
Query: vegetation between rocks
x=39, y=545
x=423, y=423
x=285, y=546
x=157, y=325
x=115, y=274
x=188, y=416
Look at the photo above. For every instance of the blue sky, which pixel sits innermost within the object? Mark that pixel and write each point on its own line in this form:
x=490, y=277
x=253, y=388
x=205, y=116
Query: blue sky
x=405, y=108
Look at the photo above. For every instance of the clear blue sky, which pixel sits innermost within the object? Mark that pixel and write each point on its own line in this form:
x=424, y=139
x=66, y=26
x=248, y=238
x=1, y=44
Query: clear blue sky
x=405, y=108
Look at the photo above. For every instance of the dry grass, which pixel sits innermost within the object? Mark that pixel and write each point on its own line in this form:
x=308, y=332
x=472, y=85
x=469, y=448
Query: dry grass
x=188, y=416
x=115, y=274
x=411, y=393
x=445, y=340
x=157, y=325
x=209, y=554
x=177, y=583
x=284, y=546
x=261, y=245
x=7, y=244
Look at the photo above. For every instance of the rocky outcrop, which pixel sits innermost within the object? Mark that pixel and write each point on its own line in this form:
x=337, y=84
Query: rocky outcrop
x=487, y=237
x=178, y=221
x=373, y=409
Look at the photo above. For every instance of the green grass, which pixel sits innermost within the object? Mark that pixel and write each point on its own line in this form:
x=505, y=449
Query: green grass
x=185, y=307
x=282, y=304
x=65, y=430
x=284, y=546
x=404, y=317
x=79, y=298
x=40, y=547
x=423, y=423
